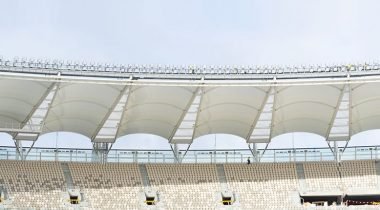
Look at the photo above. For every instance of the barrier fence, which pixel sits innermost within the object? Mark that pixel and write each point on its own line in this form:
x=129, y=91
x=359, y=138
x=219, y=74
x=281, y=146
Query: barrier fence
x=193, y=156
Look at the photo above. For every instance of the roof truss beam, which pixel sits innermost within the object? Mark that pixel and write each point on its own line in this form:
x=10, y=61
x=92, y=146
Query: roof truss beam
x=110, y=110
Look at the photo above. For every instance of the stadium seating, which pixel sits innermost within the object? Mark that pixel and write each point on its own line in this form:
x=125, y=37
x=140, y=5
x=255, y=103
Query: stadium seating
x=41, y=185
x=185, y=186
x=33, y=184
x=264, y=185
x=360, y=174
x=322, y=176
x=110, y=186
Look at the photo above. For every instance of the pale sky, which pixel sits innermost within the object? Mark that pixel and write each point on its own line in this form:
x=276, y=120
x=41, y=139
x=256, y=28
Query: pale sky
x=179, y=32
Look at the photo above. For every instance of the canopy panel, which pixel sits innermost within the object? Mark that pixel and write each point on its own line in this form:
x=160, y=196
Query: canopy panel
x=230, y=110
x=19, y=99
x=305, y=109
x=155, y=110
x=81, y=107
x=365, y=107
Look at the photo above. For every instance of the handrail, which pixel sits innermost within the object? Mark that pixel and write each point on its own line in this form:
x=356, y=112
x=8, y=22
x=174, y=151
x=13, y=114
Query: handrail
x=192, y=150
x=193, y=156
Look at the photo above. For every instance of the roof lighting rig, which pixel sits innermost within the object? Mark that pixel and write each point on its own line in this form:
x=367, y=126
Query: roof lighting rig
x=183, y=71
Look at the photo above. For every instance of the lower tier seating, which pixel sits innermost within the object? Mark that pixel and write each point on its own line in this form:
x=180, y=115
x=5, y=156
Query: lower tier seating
x=185, y=186
x=31, y=184
x=112, y=185
x=264, y=185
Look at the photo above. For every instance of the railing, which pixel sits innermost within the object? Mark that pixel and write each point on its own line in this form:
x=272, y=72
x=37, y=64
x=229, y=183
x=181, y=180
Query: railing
x=193, y=156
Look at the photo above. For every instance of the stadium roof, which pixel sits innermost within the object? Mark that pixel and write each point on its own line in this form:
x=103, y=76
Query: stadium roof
x=105, y=105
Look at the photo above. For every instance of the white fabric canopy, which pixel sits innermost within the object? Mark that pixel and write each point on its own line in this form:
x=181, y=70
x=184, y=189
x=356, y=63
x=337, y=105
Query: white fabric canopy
x=81, y=108
x=84, y=107
x=305, y=109
x=18, y=99
x=229, y=110
x=155, y=110
x=365, y=105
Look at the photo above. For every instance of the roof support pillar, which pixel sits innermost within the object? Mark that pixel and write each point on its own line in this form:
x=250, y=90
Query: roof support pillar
x=265, y=149
x=30, y=148
x=254, y=152
x=174, y=148
x=184, y=154
x=19, y=150
x=336, y=151
x=100, y=151
x=21, y=153
x=345, y=146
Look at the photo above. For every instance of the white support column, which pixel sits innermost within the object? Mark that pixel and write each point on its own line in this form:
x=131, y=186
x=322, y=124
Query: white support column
x=100, y=151
x=95, y=156
x=345, y=146
x=254, y=147
x=333, y=151
x=254, y=152
x=19, y=155
x=175, y=152
x=30, y=148
x=187, y=149
x=336, y=151
x=265, y=149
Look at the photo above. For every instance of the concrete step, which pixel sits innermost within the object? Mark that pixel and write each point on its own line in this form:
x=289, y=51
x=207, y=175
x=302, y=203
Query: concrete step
x=67, y=175
x=144, y=175
x=301, y=177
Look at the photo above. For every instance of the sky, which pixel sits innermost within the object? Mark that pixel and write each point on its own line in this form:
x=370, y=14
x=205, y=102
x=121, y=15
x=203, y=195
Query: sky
x=200, y=32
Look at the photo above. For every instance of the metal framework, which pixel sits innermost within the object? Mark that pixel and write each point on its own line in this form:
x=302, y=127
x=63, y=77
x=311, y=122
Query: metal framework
x=198, y=78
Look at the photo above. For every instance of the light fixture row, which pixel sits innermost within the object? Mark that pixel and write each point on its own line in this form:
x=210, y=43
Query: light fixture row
x=182, y=69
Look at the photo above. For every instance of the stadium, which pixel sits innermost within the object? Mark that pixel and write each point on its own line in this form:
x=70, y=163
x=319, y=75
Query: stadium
x=201, y=104
x=181, y=104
